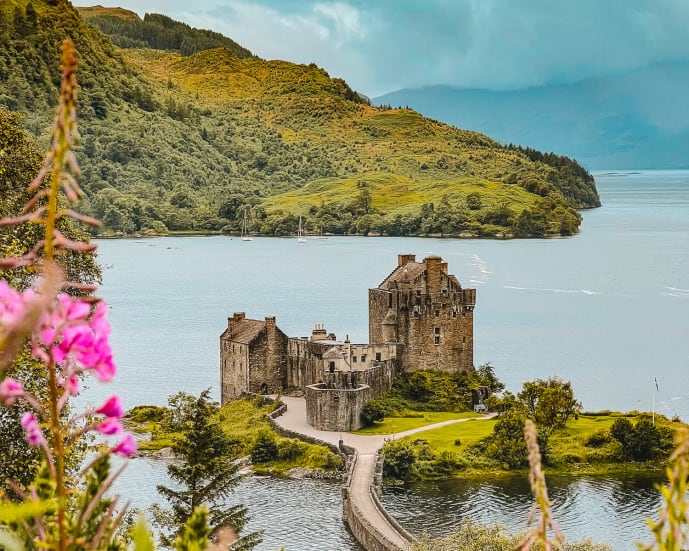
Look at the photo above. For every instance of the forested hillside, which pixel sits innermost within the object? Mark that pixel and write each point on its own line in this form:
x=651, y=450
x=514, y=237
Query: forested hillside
x=189, y=142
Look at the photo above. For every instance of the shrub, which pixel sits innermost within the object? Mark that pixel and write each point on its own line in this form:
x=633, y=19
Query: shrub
x=145, y=414
x=290, y=448
x=598, y=439
x=265, y=448
x=399, y=460
x=371, y=413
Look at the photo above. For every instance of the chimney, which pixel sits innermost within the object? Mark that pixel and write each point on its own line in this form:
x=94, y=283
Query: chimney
x=433, y=270
x=348, y=351
x=270, y=326
x=319, y=333
x=234, y=320
x=403, y=259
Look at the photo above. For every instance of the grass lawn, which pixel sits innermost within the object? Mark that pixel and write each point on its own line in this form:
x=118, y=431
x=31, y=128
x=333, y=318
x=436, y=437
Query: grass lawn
x=414, y=419
x=444, y=438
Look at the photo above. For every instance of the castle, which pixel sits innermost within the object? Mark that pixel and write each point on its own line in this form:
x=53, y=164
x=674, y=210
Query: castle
x=420, y=318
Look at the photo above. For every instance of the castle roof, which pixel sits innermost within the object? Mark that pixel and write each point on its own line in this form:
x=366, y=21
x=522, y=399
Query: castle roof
x=411, y=271
x=245, y=331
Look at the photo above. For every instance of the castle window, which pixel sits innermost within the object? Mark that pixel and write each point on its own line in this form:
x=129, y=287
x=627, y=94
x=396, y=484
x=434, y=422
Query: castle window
x=437, y=313
x=437, y=335
x=377, y=356
x=418, y=292
x=389, y=300
x=331, y=367
x=363, y=358
x=354, y=359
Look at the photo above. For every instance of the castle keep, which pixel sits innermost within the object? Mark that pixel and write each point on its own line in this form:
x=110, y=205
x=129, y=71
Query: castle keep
x=420, y=318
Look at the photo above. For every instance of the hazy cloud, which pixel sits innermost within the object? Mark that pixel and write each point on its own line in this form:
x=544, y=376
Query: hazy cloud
x=382, y=45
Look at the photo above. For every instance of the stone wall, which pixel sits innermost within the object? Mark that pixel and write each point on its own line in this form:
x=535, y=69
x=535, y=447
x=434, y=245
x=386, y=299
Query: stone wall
x=362, y=529
x=336, y=409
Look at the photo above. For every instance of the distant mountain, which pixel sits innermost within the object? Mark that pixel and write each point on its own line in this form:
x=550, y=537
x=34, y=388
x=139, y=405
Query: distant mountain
x=192, y=133
x=639, y=119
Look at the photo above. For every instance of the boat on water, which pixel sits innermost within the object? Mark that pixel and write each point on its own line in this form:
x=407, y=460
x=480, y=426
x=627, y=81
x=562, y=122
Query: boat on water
x=245, y=229
x=321, y=236
x=301, y=238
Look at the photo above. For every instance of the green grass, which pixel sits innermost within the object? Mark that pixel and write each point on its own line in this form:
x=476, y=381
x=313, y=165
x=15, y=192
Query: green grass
x=444, y=438
x=413, y=420
x=242, y=420
x=399, y=194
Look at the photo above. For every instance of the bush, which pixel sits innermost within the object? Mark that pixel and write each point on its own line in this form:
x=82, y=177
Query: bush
x=145, y=414
x=371, y=413
x=598, y=439
x=290, y=448
x=265, y=448
x=399, y=460
x=639, y=443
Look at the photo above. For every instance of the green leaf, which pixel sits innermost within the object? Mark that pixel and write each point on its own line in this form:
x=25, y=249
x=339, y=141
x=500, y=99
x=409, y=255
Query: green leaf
x=141, y=536
x=14, y=512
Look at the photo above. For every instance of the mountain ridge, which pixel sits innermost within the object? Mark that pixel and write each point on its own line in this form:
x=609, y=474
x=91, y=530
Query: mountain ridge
x=191, y=142
x=635, y=119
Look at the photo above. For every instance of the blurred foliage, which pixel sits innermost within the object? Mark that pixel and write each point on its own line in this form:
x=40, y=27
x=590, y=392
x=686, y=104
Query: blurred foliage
x=186, y=138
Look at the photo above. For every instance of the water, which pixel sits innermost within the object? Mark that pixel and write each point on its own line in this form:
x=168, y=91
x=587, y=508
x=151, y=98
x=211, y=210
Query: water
x=607, y=309
x=610, y=511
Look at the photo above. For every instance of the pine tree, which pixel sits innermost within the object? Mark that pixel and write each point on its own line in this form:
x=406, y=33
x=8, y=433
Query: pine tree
x=205, y=472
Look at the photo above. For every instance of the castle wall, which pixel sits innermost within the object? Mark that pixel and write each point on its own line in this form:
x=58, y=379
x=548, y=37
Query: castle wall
x=234, y=374
x=267, y=363
x=437, y=329
x=336, y=409
x=256, y=364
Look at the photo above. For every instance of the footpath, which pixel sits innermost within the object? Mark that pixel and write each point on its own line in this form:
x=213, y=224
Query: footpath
x=367, y=446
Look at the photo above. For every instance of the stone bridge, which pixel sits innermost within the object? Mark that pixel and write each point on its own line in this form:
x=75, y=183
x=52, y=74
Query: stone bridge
x=372, y=526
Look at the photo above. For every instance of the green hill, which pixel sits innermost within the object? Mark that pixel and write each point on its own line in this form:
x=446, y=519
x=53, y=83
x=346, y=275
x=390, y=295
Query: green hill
x=188, y=142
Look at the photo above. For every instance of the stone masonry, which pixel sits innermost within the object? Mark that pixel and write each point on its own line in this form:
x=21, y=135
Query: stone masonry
x=420, y=318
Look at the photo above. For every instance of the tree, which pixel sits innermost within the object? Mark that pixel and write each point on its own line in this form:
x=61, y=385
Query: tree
x=399, y=460
x=507, y=442
x=205, y=472
x=550, y=403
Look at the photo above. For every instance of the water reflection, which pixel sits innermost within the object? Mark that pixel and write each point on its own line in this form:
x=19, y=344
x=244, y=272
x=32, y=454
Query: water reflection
x=610, y=511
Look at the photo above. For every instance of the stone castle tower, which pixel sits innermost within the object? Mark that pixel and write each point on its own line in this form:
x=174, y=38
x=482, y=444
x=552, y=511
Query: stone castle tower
x=420, y=318
x=426, y=309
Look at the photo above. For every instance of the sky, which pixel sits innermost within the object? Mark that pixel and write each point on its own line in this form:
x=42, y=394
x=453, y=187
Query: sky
x=379, y=46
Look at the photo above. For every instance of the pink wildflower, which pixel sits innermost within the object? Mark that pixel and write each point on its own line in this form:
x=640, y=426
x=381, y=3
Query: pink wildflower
x=70, y=384
x=112, y=407
x=12, y=306
x=10, y=391
x=126, y=447
x=109, y=426
x=74, y=309
x=33, y=431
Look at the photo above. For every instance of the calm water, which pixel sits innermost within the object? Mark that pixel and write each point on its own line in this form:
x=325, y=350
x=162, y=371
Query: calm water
x=607, y=309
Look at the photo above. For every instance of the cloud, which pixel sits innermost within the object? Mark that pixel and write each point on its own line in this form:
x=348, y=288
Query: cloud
x=382, y=45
